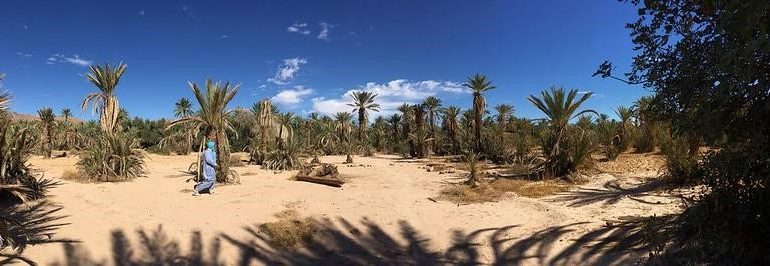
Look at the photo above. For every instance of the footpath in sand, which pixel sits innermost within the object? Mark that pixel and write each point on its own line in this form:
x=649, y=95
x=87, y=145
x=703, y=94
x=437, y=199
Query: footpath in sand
x=381, y=215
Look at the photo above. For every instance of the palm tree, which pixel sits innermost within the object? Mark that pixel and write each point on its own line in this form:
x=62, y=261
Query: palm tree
x=432, y=105
x=625, y=114
x=406, y=118
x=451, y=126
x=363, y=101
x=213, y=120
x=379, y=128
x=48, y=118
x=5, y=97
x=504, y=112
x=394, y=122
x=343, y=132
x=66, y=113
x=183, y=108
x=478, y=85
x=265, y=112
x=419, y=132
x=559, y=108
x=284, y=121
x=106, y=79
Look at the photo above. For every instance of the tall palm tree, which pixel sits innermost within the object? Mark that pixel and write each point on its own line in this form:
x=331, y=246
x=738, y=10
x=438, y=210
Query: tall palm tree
x=406, y=119
x=48, y=118
x=66, y=113
x=504, y=112
x=432, y=105
x=265, y=112
x=478, y=84
x=104, y=102
x=559, y=108
x=363, y=101
x=394, y=121
x=284, y=121
x=343, y=132
x=451, y=125
x=213, y=120
x=420, y=133
x=183, y=108
x=379, y=128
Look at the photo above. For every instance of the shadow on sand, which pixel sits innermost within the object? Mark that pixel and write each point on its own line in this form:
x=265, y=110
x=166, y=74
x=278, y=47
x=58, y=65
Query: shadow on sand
x=341, y=242
x=612, y=192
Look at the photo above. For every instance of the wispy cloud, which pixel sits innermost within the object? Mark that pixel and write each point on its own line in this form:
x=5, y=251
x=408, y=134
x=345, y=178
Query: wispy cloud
x=74, y=59
x=292, y=96
x=325, y=27
x=287, y=70
x=25, y=55
x=298, y=27
x=140, y=13
x=598, y=95
x=390, y=94
x=224, y=36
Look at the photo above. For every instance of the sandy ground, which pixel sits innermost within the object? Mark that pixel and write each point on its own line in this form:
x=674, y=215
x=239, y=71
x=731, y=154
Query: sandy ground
x=388, y=193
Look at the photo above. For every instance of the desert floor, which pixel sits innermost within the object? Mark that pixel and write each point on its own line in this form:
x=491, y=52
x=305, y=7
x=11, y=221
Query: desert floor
x=383, y=214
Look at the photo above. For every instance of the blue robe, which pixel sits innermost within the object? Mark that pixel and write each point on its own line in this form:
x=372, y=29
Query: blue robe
x=209, y=171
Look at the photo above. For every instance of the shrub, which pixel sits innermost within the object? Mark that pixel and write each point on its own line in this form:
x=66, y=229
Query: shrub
x=112, y=158
x=290, y=231
x=70, y=175
x=680, y=165
x=288, y=157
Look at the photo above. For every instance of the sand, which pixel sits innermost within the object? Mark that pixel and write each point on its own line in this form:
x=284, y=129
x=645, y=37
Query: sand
x=383, y=191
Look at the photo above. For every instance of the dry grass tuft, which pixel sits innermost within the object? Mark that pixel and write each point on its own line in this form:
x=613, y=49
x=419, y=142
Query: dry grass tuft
x=494, y=191
x=290, y=231
x=235, y=160
x=71, y=175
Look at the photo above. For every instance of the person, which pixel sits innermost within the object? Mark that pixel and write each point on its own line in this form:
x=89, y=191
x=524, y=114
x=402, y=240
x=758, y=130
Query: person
x=209, y=162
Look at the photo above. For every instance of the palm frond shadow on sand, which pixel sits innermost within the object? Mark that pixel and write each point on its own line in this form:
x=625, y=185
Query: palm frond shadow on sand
x=340, y=242
x=612, y=192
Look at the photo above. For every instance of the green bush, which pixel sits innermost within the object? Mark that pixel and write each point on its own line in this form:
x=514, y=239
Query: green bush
x=113, y=157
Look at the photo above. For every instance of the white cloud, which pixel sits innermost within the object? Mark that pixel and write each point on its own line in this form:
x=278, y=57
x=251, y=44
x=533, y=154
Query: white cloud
x=224, y=36
x=140, y=13
x=291, y=96
x=24, y=54
x=325, y=27
x=74, y=59
x=287, y=70
x=300, y=28
x=389, y=95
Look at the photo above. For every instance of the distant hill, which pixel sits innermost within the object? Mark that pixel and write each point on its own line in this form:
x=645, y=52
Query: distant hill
x=30, y=117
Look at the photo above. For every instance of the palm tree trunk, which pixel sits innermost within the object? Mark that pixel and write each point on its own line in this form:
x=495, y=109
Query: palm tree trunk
x=50, y=142
x=432, y=130
x=361, y=124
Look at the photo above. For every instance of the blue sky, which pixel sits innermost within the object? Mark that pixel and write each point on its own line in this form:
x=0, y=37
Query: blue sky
x=307, y=55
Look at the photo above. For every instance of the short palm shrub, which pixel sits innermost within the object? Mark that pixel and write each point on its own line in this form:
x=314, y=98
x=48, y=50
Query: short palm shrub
x=288, y=157
x=25, y=219
x=113, y=157
x=680, y=166
x=558, y=140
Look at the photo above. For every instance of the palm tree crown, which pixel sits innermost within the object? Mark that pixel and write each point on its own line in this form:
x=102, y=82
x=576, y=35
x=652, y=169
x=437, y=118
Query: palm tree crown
x=104, y=102
x=504, y=111
x=183, y=108
x=478, y=84
x=66, y=113
x=559, y=107
x=363, y=101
